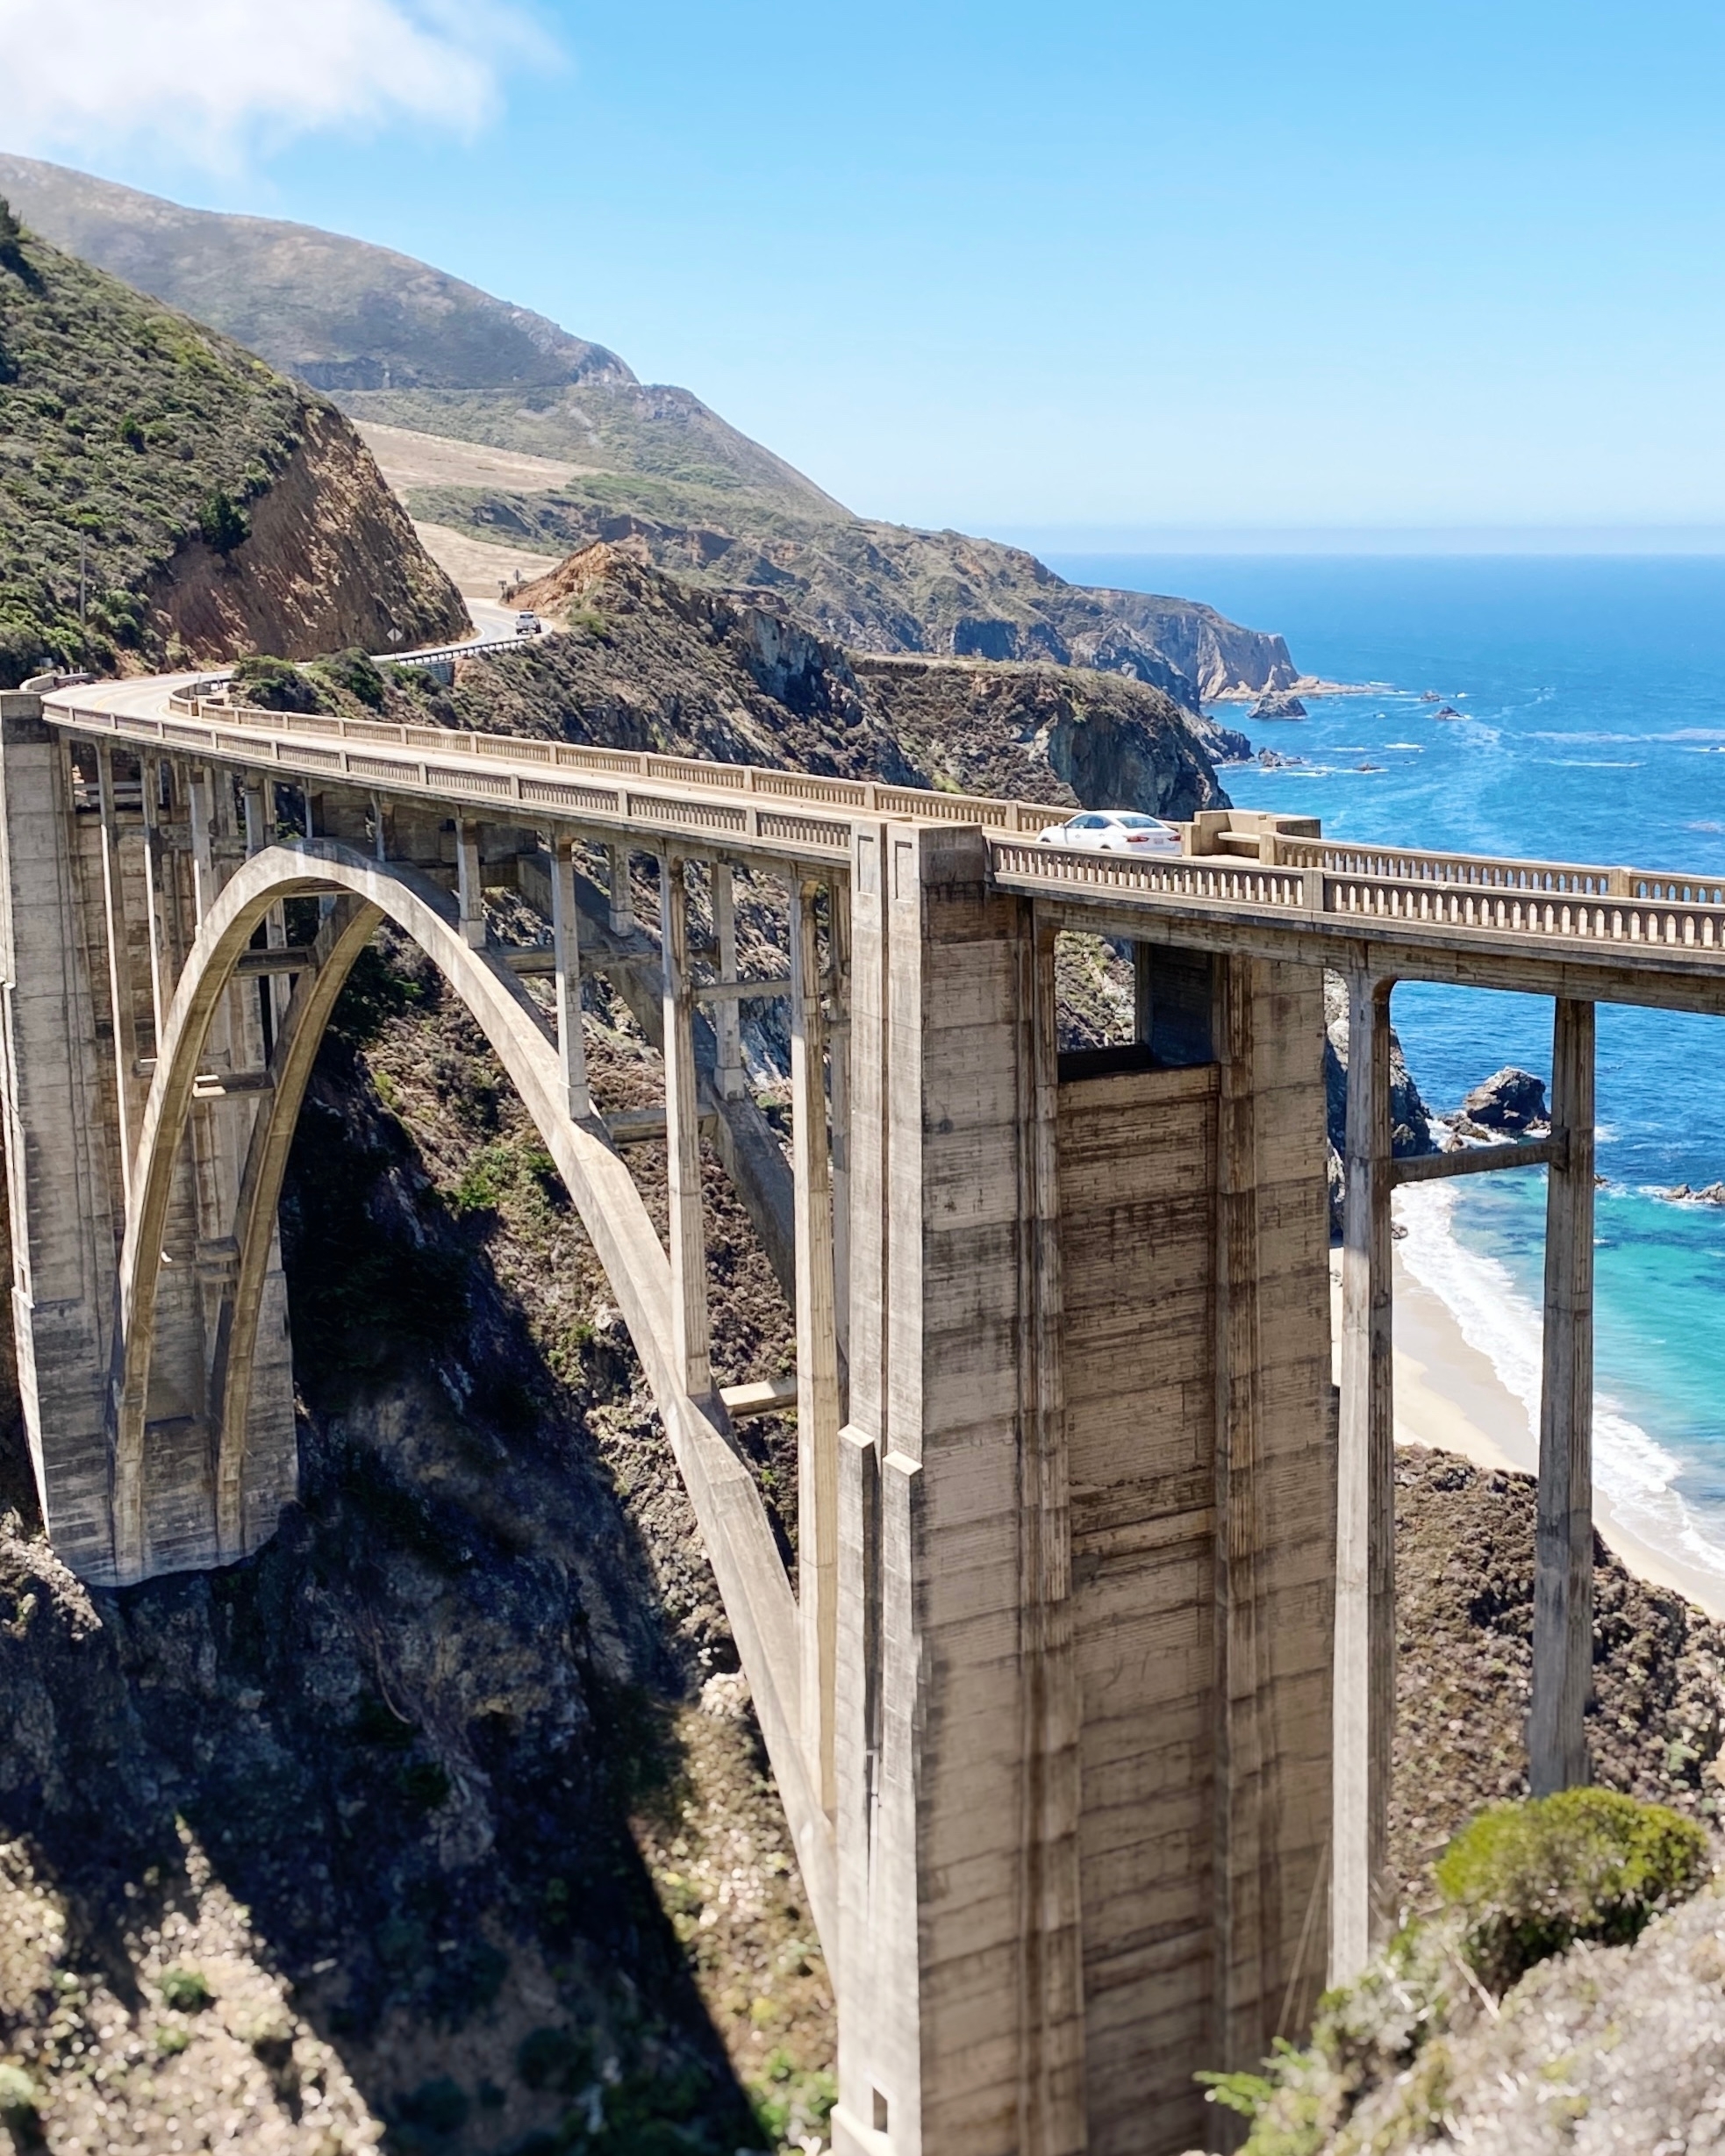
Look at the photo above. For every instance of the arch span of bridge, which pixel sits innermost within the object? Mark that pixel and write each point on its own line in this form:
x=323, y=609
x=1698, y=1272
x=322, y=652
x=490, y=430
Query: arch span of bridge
x=1081, y=1710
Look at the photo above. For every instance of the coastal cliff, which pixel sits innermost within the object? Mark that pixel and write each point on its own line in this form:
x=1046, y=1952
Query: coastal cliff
x=652, y=660
x=885, y=588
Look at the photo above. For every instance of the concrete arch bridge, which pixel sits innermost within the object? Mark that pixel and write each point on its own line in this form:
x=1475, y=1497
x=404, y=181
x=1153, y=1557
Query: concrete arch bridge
x=1081, y=1713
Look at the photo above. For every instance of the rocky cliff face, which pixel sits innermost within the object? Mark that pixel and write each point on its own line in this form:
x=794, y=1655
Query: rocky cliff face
x=650, y=660
x=884, y=588
x=330, y=564
x=163, y=494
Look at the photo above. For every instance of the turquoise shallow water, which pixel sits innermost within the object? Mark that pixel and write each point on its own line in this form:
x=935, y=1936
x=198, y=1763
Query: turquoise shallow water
x=1592, y=695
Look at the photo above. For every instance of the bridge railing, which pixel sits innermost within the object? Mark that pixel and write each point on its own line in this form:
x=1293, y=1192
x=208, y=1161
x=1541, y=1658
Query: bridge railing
x=867, y=796
x=1549, y=902
x=1488, y=872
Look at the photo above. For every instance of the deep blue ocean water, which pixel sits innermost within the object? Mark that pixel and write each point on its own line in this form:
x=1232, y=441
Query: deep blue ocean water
x=1592, y=695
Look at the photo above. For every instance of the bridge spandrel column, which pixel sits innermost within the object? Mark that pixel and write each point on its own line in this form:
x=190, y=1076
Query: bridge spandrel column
x=61, y=1157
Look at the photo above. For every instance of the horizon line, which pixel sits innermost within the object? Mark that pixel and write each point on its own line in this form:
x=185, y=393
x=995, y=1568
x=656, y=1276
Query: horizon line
x=1369, y=538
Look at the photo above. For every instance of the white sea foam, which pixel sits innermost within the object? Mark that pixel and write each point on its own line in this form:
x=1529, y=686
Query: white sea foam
x=1631, y=1468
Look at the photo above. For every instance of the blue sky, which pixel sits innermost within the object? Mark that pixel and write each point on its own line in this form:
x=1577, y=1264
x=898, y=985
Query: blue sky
x=1079, y=274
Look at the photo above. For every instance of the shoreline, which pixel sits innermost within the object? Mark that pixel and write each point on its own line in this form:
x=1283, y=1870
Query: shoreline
x=1449, y=1399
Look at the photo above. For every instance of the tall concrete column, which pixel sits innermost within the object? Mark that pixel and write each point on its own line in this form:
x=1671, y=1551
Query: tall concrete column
x=470, y=897
x=838, y=1063
x=121, y=1005
x=682, y=1137
x=260, y=832
x=1361, y=1898
x=622, y=898
x=816, y=1344
x=1563, y=1545
x=727, y=1015
x=566, y=937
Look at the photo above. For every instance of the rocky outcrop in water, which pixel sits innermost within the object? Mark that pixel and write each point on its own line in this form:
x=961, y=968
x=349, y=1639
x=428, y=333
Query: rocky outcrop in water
x=1278, y=704
x=1510, y=1102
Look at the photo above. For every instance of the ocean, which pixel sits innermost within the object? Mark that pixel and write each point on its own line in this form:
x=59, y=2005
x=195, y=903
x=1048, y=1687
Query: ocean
x=1591, y=695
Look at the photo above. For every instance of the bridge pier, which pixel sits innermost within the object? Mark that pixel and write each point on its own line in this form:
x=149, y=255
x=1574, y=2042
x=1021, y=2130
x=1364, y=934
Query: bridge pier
x=1086, y=1492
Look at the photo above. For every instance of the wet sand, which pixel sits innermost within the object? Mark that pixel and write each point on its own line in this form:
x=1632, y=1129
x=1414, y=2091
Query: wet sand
x=1449, y=1397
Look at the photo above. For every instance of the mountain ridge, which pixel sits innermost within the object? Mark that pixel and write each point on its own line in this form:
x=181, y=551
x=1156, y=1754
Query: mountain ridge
x=399, y=343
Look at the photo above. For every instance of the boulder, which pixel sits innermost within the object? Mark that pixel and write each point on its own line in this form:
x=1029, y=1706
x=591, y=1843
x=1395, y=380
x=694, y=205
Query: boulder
x=1510, y=1100
x=1278, y=704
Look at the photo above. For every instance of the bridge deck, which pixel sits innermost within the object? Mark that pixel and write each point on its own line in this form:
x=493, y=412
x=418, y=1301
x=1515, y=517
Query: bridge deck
x=1617, y=934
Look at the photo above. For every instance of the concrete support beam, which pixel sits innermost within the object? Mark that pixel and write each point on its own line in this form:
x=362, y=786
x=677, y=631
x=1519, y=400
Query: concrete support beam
x=1563, y=1544
x=727, y=1017
x=154, y=773
x=1362, y=1897
x=682, y=1138
x=838, y=1063
x=200, y=812
x=122, y=1008
x=622, y=898
x=470, y=894
x=566, y=942
x=816, y=1344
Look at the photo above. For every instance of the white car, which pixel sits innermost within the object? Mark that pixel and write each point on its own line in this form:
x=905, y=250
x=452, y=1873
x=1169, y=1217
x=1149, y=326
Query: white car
x=527, y=625
x=1113, y=831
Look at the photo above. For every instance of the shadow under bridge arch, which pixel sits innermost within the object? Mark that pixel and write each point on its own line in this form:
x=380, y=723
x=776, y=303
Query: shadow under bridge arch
x=735, y=1528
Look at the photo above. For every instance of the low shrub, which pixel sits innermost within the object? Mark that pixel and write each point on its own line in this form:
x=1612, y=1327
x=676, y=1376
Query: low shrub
x=1528, y=1879
x=20, y=2099
x=187, y=1990
x=274, y=684
x=221, y=522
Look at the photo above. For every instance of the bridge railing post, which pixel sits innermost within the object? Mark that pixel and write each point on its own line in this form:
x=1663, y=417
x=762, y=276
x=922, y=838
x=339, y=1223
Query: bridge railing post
x=1563, y=1536
x=1365, y=1664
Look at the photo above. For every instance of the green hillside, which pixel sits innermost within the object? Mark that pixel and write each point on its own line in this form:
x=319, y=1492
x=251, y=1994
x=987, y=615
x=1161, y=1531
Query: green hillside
x=130, y=436
x=125, y=430
x=396, y=340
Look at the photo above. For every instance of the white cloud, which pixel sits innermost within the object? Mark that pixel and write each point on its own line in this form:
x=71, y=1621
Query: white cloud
x=211, y=79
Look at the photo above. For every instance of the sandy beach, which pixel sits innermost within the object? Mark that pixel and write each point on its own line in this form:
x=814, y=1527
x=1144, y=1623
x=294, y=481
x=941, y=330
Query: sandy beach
x=1448, y=1396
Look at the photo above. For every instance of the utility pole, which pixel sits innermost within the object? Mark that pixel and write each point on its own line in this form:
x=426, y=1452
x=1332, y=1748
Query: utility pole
x=84, y=592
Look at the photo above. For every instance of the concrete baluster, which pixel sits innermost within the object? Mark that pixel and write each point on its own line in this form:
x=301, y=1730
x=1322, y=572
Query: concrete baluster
x=1364, y=1694
x=727, y=1015
x=1564, y=1538
x=683, y=1139
x=817, y=1343
x=566, y=937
